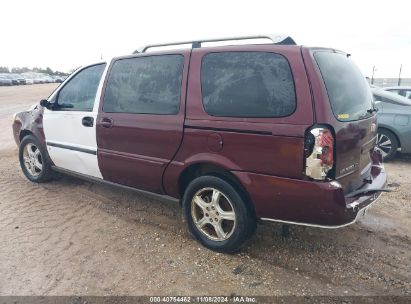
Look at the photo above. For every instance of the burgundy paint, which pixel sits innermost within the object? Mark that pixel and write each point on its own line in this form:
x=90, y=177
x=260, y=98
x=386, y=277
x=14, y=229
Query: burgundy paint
x=319, y=203
x=354, y=140
x=215, y=142
x=136, y=148
x=304, y=111
x=32, y=122
x=265, y=155
x=271, y=146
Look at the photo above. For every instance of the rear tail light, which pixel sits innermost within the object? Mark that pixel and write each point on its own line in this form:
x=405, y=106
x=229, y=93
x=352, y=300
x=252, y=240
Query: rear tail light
x=319, y=153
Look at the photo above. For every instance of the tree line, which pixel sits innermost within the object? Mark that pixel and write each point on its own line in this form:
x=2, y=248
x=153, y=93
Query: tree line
x=36, y=70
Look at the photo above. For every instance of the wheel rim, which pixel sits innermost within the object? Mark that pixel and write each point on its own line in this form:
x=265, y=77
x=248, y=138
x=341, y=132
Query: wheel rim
x=384, y=143
x=213, y=214
x=33, y=161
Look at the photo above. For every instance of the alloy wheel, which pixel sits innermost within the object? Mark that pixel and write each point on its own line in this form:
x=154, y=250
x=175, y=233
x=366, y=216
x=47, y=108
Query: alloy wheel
x=384, y=143
x=33, y=161
x=213, y=214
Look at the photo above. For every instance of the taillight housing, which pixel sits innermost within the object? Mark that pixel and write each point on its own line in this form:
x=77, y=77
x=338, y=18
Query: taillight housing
x=319, y=145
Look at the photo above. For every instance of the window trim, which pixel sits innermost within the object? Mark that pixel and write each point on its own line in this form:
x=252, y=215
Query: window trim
x=69, y=79
x=145, y=55
x=248, y=117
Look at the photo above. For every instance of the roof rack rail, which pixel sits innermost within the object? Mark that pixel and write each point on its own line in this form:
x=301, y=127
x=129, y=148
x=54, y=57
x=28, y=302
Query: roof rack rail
x=276, y=39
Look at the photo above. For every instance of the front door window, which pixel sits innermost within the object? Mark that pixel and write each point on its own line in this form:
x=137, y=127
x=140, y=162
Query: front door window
x=79, y=93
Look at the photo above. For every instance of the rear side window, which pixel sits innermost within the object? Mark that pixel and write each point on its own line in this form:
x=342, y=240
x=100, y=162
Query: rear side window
x=247, y=84
x=145, y=85
x=348, y=91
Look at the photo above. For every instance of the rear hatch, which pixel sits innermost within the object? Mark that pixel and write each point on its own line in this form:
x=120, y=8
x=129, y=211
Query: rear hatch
x=353, y=118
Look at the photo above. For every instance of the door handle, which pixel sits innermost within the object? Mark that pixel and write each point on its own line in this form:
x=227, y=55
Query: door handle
x=107, y=122
x=87, y=121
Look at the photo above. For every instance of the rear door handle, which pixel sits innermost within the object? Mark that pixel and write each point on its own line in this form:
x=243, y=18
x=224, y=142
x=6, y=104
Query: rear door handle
x=107, y=122
x=87, y=121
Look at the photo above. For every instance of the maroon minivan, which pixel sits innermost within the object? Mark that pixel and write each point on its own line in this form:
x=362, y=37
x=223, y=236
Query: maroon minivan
x=276, y=132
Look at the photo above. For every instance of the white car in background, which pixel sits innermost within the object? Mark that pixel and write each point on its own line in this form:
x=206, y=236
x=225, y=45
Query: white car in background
x=29, y=80
x=404, y=91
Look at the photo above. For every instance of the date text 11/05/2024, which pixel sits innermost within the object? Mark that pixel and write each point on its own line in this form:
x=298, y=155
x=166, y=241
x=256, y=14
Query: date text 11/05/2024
x=205, y=299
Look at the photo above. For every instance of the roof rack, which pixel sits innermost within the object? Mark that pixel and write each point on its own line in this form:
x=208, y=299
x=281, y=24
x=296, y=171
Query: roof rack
x=276, y=39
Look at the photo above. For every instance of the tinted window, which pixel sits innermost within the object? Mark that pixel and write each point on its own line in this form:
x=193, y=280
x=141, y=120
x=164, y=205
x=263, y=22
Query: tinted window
x=146, y=85
x=406, y=94
x=247, y=84
x=348, y=90
x=79, y=93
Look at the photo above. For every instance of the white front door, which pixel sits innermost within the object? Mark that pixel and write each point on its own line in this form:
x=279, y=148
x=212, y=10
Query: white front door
x=70, y=122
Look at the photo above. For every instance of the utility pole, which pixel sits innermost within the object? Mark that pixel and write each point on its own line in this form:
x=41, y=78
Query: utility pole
x=372, y=77
x=399, y=75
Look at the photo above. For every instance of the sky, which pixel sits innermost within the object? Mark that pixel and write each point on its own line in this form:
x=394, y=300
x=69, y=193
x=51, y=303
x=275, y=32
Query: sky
x=66, y=34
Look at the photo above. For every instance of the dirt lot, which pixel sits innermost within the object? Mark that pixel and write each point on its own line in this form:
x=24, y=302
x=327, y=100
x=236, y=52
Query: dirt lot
x=73, y=237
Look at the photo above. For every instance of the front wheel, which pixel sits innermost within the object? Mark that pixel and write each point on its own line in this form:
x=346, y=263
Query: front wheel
x=217, y=214
x=33, y=160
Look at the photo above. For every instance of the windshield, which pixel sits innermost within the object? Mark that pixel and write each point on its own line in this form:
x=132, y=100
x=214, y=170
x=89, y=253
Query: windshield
x=348, y=91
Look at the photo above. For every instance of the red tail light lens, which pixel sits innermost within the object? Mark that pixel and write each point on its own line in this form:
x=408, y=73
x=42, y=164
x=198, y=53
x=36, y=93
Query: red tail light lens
x=319, y=153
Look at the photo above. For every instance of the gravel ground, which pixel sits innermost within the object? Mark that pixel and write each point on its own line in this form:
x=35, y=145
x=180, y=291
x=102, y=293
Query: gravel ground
x=73, y=237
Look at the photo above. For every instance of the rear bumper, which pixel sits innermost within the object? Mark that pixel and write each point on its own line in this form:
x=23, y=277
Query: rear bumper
x=320, y=204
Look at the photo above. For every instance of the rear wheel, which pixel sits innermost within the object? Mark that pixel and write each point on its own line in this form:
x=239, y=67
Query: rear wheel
x=33, y=160
x=388, y=144
x=216, y=214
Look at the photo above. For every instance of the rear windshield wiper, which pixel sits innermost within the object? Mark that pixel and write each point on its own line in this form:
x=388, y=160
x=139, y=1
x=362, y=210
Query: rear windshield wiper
x=372, y=110
x=368, y=113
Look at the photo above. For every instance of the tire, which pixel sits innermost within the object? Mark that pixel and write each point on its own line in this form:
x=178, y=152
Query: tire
x=222, y=224
x=34, y=161
x=388, y=143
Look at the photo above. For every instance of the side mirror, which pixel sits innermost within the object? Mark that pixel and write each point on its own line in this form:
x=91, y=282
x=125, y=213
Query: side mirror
x=44, y=103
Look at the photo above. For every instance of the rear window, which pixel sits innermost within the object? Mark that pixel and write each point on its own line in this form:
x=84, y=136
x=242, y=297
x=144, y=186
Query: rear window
x=348, y=91
x=247, y=84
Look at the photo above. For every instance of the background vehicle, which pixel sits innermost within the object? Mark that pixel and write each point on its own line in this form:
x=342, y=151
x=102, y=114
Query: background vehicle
x=394, y=122
x=5, y=81
x=404, y=91
x=19, y=78
x=12, y=78
x=29, y=80
x=238, y=140
x=39, y=78
x=56, y=78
